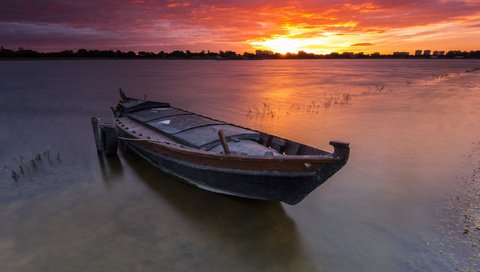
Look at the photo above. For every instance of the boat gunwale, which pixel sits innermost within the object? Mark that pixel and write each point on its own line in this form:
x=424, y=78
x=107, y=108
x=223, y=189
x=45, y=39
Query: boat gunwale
x=290, y=163
x=328, y=158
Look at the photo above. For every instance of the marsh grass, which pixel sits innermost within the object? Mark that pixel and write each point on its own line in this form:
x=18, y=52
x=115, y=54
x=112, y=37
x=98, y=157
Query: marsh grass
x=448, y=76
x=26, y=167
x=268, y=111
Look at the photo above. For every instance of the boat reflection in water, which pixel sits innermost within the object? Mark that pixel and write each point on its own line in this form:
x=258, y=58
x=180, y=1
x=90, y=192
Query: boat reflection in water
x=259, y=234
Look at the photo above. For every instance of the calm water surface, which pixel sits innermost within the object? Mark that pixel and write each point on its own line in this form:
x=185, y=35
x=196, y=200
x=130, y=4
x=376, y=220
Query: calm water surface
x=413, y=127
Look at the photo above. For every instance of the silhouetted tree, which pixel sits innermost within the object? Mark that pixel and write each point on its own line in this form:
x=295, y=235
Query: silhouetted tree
x=177, y=54
x=247, y=55
x=131, y=54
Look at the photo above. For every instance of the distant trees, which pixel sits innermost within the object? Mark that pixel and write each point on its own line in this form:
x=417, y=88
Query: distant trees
x=247, y=55
x=231, y=55
x=110, y=54
x=6, y=53
x=177, y=54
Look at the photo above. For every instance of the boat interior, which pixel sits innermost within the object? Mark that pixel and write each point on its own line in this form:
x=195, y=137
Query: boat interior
x=202, y=133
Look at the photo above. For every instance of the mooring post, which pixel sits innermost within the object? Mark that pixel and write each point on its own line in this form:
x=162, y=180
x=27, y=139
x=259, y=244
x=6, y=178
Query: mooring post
x=96, y=134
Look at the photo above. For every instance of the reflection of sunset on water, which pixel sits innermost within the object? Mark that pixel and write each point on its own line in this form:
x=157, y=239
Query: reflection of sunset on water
x=410, y=124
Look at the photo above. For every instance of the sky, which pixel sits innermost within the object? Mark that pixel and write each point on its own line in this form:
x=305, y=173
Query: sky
x=281, y=26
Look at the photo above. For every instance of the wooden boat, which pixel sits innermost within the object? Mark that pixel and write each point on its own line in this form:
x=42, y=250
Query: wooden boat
x=218, y=156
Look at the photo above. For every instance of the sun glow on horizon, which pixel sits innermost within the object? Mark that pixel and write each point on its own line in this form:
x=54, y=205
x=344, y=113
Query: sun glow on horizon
x=281, y=45
x=321, y=41
x=306, y=38
x=284, y=44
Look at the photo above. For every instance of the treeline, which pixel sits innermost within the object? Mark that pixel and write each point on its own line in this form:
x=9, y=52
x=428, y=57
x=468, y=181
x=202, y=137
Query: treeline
x=22, y=53
x=111, y=54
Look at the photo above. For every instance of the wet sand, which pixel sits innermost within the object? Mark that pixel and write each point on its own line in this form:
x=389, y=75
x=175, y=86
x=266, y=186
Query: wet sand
x=460, y=223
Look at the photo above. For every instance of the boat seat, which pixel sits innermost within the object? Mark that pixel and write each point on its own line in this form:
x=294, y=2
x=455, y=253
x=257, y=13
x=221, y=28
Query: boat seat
x=247, y=147
x=190, y=129
x=207, y=137
x=178, y=123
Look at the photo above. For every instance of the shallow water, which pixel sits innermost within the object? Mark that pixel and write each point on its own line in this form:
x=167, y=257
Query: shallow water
x=412, y=125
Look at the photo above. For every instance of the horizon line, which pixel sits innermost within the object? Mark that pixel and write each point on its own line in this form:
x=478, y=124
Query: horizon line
x=423, y=52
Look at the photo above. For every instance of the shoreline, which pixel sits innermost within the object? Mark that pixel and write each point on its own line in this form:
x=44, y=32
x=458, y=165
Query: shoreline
x=461, y=219
x=210, y=59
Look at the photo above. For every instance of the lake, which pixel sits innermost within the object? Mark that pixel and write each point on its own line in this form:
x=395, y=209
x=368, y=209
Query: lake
x=407, y=200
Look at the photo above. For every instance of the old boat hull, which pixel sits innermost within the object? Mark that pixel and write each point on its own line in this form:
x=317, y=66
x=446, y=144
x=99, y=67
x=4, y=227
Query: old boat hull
x=290, y=188
x=187, y=146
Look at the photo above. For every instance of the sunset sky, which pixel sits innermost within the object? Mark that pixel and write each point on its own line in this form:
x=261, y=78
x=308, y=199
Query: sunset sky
x=282, y=26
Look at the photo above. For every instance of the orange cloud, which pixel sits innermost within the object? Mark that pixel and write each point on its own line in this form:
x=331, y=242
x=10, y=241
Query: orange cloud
x=362, y=44
x=284, y=25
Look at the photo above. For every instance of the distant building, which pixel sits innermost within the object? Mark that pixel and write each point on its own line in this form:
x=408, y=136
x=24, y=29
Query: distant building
x=427, y=52
x=437, y=54
x=418, y=53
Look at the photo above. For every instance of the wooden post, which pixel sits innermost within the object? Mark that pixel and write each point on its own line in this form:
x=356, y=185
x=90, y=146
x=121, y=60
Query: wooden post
x=96, y=134
x=109, y=139
x=223, y=140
